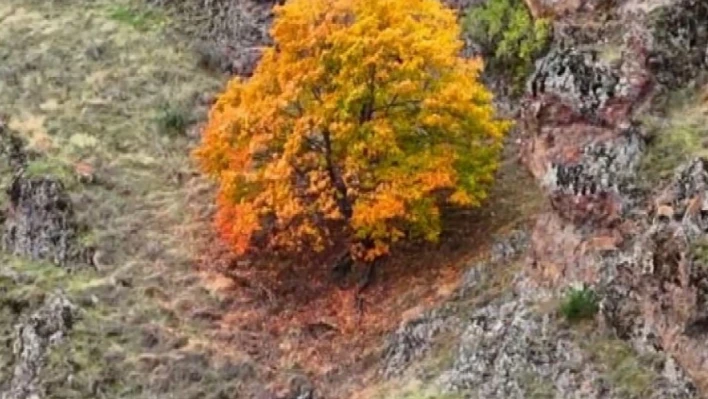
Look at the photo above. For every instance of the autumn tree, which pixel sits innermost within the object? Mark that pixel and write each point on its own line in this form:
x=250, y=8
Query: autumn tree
x=360, y=122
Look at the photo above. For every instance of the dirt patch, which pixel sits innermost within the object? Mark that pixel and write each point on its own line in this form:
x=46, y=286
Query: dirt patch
x=299, y=317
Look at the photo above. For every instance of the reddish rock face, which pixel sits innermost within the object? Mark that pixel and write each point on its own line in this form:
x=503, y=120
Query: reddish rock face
x=558, y=8
x=583, y=145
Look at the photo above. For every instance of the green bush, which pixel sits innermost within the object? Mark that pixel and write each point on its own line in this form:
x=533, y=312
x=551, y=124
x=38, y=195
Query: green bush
x=173, y=120
x=579, y=304
x=510, y=38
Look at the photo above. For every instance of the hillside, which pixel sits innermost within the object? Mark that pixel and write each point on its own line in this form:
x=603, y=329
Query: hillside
x=583, y=275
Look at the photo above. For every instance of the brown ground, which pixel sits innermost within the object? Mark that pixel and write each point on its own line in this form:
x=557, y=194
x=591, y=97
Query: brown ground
x=295, y=317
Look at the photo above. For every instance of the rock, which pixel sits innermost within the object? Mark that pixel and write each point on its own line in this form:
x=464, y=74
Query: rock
x=301, y=388
x=680, y=49
x=509, y=247
x=584, y=149
x=414, y=339
x=235, y=33
x=656, y=292
x=33, y=338
x=40, y=221
x=509, y=350
x=579, y=78
x=559, y=8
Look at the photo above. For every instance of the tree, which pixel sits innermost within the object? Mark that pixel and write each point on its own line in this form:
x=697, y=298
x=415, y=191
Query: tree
x=509, y=36
x=359, y=122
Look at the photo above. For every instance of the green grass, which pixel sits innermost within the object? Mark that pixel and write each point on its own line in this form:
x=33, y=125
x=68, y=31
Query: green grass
x=137, y=18
x=537, y=387
x=579, y=304
x=50, y=168
x=676, y=136
x=630, y=374
x=699, y=252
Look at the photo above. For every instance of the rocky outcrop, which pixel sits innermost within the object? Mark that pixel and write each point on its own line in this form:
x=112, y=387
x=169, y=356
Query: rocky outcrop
x=656, y=290
x=414, y=338
x=642, y=252
x=510, y=350
x=577, y=78
x=38, y=221
x=680, y=34
x=234, y=32
x=584, y=147
x=33, y=338
x=560, y=8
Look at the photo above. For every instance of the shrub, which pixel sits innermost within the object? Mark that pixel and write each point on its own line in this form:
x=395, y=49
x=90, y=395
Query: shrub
x=579, y=303
x=357, y=124
x=173, y=120
x=510, y=39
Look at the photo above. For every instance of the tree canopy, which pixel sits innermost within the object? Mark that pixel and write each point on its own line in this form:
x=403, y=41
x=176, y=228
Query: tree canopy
x=359, y=122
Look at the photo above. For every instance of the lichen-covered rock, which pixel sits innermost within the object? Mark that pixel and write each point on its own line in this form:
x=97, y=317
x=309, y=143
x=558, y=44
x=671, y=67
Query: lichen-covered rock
x=514, y=244
x=680, y=50
x=414, y=338
x=584, y=148
x=577, y=77
x=656, y=291
x=560, y=8
x=39, y=223
x=33, y=338
x=509, y=350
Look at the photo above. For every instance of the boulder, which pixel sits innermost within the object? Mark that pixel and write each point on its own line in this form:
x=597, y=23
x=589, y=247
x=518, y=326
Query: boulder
x=680, y=49
x=39, y=223
x=509, y=350
x=45, y=328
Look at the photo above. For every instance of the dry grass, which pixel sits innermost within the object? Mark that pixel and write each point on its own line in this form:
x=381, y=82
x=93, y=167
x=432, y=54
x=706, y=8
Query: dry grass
x=85, y=83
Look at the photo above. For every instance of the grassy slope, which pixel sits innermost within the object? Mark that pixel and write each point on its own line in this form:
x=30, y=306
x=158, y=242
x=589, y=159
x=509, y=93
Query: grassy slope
x=100, y=83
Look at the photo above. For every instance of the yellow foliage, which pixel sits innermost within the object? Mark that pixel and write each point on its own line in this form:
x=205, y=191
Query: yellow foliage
x=359, y=121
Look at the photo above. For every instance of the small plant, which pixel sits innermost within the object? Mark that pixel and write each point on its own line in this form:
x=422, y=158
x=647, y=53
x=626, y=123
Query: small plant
x=699, y=252
x=579, y=304
x=173, y=120
x=510, y=38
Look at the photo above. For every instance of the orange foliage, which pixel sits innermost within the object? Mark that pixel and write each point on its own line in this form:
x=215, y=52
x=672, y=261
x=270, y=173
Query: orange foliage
x=357, y=123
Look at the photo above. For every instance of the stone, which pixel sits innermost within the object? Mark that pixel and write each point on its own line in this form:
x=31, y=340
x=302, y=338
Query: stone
x=40, y=222
x=509, y=350
x=577, y=77
x=34, y=337
x=234, y=34
x=680, y=50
